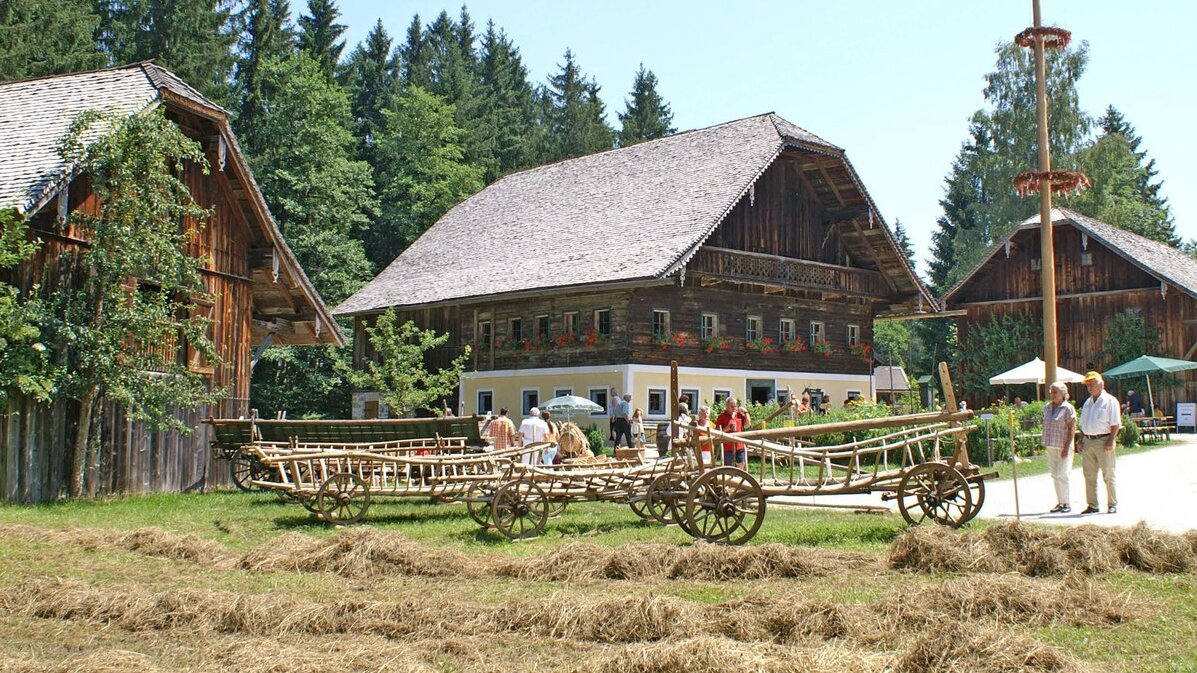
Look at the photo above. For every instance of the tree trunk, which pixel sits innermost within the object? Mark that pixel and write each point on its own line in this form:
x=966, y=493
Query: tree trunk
x=82, y=441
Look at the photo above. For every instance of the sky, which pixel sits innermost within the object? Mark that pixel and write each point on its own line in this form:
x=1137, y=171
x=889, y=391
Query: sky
x=892, y=82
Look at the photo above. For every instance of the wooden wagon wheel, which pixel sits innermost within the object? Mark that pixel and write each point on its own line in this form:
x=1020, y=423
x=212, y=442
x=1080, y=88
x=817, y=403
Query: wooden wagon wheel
x=725, y=505
x=343, y=499
x=478, y=500
x=520, y=509
x=665, y=499
x=934, y=491
x=309, y=503
x=245, y=468
x=639, y=504
x=556, y=509
x=976, y=486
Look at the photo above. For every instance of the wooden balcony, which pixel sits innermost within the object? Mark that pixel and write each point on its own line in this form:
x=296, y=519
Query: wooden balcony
x=785, y=272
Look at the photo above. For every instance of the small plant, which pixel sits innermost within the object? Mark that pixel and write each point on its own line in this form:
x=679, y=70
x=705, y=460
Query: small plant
x=565, y=340
x=822, y=348
x=762, y=344
x=591, y=338
x=664, y=341
x=862, y=350
x=794, y=346
x=716, y=343
x=596, y=438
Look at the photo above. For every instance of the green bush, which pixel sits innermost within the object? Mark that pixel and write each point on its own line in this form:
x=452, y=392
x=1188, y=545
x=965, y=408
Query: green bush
x=1028, y=432
x=1129, y=435
x=597, y=439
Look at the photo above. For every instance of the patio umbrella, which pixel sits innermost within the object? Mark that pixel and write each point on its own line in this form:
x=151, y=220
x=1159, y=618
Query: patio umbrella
x=1146, y=365
x=570, y=405
x=1033, y=372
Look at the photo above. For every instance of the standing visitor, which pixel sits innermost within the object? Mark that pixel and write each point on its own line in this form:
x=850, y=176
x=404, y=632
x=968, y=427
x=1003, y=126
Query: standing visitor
x=1134, y=405
x=702, y=422
x=733, y=419
x=502, y=431
x=638, y=428
x=623, y=421
x=612, y=412
x=1100, y=422
x=552, y=435
x=1059, y=429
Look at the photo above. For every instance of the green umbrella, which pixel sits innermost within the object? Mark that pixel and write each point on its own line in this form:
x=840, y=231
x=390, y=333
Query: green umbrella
x=1146, y=365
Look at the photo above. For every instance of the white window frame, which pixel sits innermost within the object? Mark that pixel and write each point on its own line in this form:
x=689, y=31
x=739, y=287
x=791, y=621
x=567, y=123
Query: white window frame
x=848, y=394
x=653, y=325
x=781, y=329
x=548, y=326
x=648, y=411
x=557, y=392
x=569, y=323
x=853, y=335
x=822, y=331
x=695, y=398
x=478, y=399
x=703, y=332
x=749, y=321
x=610, y=322
x=727, y=392
x=511, y=329
x=524, y=398
x=606, y=390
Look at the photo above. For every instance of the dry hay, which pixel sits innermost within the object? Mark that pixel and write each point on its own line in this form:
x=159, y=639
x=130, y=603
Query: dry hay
x=716, y=563
x=710, y=654
x=572, y=442
x=1016, y=547
x=347, y=655
x=988, y=650
x=603, y=620
x=148, y=541
x=1191, y=537
x=786, y=621
x=103, y=661
x=359, y=552
x=585, y=561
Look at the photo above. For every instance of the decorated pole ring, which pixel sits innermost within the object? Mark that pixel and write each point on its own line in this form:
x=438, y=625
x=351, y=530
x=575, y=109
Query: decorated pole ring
x=1053, y=38
x=1031, y=182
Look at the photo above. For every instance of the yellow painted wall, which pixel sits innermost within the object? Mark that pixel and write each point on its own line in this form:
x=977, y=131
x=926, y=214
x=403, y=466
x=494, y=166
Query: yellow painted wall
x=707, y=384
x=508, y=391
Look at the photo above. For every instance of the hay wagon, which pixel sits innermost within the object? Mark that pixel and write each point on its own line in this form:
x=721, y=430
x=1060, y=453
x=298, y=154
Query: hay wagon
x=339, y=481
x=520, y=504
x=231, y=436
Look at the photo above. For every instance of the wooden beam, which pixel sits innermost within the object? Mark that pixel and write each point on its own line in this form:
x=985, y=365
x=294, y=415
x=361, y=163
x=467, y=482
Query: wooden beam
x=873, y=251
x=276, y=326
x=1075, y=295
x=831, y=185
x=864, y=424
x=920, y=316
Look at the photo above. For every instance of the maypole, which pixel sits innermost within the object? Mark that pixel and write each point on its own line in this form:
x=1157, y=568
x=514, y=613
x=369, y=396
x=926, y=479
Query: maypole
x=1045, y=180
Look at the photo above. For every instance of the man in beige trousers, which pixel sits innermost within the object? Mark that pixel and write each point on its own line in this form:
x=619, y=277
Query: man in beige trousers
x=1101, y=419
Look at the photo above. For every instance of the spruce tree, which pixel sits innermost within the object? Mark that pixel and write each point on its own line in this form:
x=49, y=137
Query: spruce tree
x=573, y=115
x=903, y=242
x=319, y=33
x=414, y=68
x=424, y=172
x=266, y=35
x=193, y=39
x=47, y=37
x=371, y=75
x=647, y=115
x=1116, y=194
x=506, y=113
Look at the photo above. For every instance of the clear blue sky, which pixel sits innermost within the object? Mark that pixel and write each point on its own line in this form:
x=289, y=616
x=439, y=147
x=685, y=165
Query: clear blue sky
x=892, y=82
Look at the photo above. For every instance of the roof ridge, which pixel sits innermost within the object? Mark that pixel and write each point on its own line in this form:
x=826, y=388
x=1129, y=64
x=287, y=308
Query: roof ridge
x=126, y=66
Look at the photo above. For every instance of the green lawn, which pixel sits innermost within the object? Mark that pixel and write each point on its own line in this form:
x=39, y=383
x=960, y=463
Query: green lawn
x=1028, y=467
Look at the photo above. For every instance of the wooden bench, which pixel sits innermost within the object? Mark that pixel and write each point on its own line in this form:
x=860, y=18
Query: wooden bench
x=1153, y=429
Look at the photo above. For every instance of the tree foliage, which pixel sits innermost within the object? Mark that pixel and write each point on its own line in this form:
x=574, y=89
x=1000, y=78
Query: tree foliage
x=399, y=374
x=24, y=366
x=319, y=33
x=265, y=35
x=372, y=77
x=117, y=339
x=1128, y=337
x=47, y=37
x=1003, y=343
x=507, y=109
x=647, y=115
x=573, y=114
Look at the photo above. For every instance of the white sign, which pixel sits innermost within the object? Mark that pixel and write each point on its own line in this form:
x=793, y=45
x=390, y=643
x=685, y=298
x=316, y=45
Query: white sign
x=1186, y=415
x=987, y=417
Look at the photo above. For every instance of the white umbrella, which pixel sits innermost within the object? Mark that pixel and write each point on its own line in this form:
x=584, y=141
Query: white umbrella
x=569, y=405
x=1033, y=372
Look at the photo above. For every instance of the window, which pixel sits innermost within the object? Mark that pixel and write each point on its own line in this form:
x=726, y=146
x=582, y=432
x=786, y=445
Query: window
x=787, y=330
x=602, y=321
x=658, y=402
x=599, y=397
x=692, y=397
x=1036, y=264
x=484, y=334
x=542, y=327
x=370, y=410
x=854, y=395
x=853, y=335
x=752, y=328
x=709, y=326
x=818, y=332
x=486, y=401
x=721, y=394
x=531, y=398
x=783, y=396
x=569, y=323
x=1086, y=259
x=660, y=323
x=562, y=392
x=515, y=329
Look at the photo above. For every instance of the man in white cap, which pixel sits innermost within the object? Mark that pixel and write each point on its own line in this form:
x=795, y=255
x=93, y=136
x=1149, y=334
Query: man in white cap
x=533, y=428
x=1101, y=419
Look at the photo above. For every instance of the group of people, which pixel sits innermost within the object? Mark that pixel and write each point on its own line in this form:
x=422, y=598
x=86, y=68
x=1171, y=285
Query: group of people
x=1100, y=421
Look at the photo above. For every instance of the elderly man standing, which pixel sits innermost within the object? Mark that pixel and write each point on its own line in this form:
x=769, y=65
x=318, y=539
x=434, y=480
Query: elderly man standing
x=623, y=421
x=1101, y=419
x=1059, y=428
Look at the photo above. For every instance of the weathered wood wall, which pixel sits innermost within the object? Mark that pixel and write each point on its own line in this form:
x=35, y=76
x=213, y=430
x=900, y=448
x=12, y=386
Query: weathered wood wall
x=36, y=439
x=1109, y=286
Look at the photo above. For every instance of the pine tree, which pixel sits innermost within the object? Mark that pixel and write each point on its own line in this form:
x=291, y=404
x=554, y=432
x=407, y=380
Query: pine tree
x=574, y=115
x=506, y=113
x=319, y=32
x=47, y=37
x=413, y=57
x=425, y=172
x=266, y=36
x=903, y=242
x=372, y=77
x=193, y=39
x=647, y=116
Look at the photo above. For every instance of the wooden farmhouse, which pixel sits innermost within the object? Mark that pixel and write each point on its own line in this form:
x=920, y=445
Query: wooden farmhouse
x=749, y=252
x=261, y=295
x=1101, y=271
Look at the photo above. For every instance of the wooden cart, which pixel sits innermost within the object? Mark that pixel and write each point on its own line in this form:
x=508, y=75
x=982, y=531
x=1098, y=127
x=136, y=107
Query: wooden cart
x=338, y=482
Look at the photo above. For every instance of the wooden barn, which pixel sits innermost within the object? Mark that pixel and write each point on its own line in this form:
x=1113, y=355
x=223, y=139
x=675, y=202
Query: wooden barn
x=1101, y=271
x=749, y=252
x=261, y=295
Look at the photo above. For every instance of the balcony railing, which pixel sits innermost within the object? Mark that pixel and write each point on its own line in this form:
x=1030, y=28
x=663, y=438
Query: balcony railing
x=752, y=267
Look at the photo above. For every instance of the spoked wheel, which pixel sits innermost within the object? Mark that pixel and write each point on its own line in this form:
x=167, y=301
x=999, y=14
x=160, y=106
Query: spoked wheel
x=343, y=499
x=244, y=469
x=309, y=503
x=663, y=497
x=639, y=504
x=976, y=487
x=937, y=492
x=520, y=509
x=556, y=509
x=725, y=505
x=478, y=500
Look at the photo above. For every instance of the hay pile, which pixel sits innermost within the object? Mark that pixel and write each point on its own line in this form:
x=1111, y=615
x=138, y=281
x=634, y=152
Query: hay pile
x=1015, y=547
x=359, y=552
x=988, y=650
x=103, y=661
x=709, y=654
x=148, y=541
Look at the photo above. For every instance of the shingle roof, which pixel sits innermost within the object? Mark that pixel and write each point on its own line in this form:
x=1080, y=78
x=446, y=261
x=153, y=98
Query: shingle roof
x=622, y=215
x=1158, y=259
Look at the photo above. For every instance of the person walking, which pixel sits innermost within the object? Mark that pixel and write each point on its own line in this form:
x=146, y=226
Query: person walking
x=638, y=428
x=1101, y=419
x=623, y=421
x=734, y=419
x=501, y=431
x=533, y=429
x=1059, y=429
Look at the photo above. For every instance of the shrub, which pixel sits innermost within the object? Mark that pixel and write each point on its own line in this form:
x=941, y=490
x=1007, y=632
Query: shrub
x=1129, y=435
x=597, y=439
